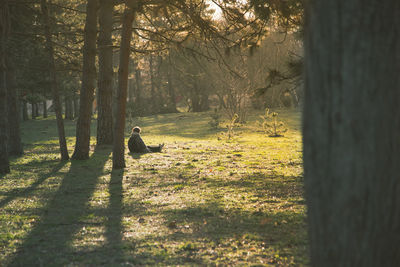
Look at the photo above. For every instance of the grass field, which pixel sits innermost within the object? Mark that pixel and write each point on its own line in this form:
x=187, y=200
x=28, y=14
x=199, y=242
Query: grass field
x=202, y=201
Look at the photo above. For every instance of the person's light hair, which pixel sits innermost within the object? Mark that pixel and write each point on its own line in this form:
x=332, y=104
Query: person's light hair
x=136, y=129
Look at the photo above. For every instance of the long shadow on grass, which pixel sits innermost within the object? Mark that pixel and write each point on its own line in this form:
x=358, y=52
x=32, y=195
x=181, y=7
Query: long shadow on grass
x=45, y=130
x=50, y=243
x=263, y=185
x=18, y=193
x=211, y=220
x=114, y=227
x=211, y=224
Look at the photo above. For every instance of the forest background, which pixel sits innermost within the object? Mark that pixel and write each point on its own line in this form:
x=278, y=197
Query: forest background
x=175, y=54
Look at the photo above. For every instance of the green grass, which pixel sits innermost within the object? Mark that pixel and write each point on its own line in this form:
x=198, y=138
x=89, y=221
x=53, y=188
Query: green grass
x=203, y=201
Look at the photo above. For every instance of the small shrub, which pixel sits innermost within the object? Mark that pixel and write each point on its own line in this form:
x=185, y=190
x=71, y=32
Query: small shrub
x=230, y=126
x=270, y=124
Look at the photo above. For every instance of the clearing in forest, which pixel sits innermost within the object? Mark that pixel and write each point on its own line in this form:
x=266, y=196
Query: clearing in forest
x=202, y=201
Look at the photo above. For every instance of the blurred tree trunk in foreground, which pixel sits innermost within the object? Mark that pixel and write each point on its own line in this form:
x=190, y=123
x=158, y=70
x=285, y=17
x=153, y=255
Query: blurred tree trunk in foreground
x=4, y=29
x=351, y=132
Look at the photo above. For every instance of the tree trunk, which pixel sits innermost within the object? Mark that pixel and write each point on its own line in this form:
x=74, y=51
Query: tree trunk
x=33, y=111
x=54, y=84
x=171, y=91
x=88, y=83
x=138, y=92
x=69, y=113
x=351, y=132
x=119, y=126
x=195, y=98
x=37, y=113
x=4, y=162
x=25, y=116
x=71, y=107
x=131, y=90
x=105, y=119
x=205, y=103
x=131, y=84
x=44, y=103
x=158, y=97
x=4, y=28
x=14, y=137
x=154, y=98
x=76, y=106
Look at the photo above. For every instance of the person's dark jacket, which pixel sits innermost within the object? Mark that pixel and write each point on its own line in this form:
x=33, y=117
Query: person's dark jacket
x=136, y=144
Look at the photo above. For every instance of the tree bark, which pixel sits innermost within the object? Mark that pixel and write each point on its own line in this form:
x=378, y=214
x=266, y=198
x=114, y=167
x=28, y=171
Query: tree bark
x=14, y=136
x=25, y=116
x=154, y=98
x=171, y=91
x=76, y=106
x=33, y=111
x=119, y=126
x=351, y=132
x=138, y=92
x=44, y=103
x=131, y=84
x=159, y=103
x=69, y=113
x=195, y=98
x=37, y=113
x=54, y=84
x=4, y=29
x=205, y=103
x=88, y=83
x=105, y=119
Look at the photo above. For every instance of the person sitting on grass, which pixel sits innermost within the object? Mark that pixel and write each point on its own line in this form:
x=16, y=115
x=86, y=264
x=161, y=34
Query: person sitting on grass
x=136, y=144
